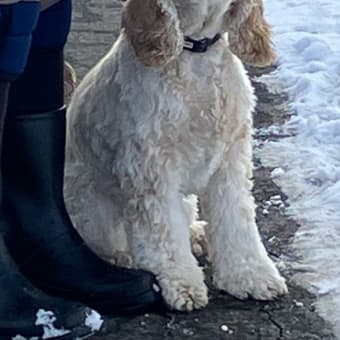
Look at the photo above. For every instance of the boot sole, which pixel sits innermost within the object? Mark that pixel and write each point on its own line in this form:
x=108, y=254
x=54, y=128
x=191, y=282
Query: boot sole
x=148, y=300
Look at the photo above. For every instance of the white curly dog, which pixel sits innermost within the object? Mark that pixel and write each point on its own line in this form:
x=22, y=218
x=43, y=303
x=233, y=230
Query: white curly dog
x=154, y=122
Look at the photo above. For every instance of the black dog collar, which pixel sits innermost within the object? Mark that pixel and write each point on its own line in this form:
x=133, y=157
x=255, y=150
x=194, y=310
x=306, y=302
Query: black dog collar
x=200, y=46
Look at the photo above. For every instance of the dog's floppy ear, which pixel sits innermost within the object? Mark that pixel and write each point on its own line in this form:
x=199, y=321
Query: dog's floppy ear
x=153, y=29
x=250, y=36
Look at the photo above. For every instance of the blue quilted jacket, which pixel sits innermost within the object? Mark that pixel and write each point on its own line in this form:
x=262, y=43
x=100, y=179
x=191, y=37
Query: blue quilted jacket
x=18, y=21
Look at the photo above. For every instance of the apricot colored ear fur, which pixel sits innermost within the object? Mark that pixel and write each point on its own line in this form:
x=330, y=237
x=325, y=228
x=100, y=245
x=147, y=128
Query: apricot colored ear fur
x=152, y=27
x=250, y=35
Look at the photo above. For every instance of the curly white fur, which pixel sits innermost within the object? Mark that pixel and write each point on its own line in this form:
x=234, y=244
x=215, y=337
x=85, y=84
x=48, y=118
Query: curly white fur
x=141, y=138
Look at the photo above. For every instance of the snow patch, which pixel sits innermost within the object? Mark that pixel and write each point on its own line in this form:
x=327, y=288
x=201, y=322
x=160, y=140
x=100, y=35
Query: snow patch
x=307, y=40
x=277, y=172
x=46, y=319
x=94, y=321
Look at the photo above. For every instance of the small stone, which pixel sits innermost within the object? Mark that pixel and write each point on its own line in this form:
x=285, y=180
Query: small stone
x=272, y=239
x=188, y=331
x=266, y=307
x=267, y=204
x=276, y=200
x=265, y=212
x=172, y=323
x=298, y=303
x=275, y=197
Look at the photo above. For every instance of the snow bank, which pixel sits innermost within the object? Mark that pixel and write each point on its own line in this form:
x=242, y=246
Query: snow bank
x=307, y=37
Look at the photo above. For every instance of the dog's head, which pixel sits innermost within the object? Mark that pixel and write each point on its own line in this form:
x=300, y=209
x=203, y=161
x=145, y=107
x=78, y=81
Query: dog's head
x=156, y=28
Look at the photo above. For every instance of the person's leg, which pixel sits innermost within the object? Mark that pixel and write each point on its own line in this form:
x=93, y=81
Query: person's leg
x=23, y=307
x=59, y=262
x=4, y=90
x=40, y=88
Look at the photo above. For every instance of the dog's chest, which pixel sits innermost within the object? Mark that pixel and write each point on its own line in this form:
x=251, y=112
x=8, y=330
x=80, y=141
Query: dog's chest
x=200, y=81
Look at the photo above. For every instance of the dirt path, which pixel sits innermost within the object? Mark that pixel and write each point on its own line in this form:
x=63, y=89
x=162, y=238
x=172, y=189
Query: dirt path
x=96, y=23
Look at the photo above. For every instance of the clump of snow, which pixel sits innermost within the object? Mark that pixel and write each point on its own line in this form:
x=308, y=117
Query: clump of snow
x=269, y=131
x=307, y=36
x=224, y=328
x=46, y=319
x=277, y=172
x=94, y=321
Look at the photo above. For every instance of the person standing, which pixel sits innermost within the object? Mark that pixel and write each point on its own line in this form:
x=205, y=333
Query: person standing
x=44, y=263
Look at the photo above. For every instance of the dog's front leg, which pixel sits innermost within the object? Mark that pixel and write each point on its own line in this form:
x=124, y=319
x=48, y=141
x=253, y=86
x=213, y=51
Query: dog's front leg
x=240, y=263
x=160, y=243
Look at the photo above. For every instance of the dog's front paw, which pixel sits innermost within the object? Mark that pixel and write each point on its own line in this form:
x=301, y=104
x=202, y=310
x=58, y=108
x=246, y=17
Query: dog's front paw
x=261, y=281
x=183, y=294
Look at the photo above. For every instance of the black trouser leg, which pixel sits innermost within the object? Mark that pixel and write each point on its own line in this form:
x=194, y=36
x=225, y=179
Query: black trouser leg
x=41, y=88
x=4, y=90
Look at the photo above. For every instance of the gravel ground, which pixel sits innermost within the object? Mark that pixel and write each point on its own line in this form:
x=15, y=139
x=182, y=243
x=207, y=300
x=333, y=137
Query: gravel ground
x=95, y=26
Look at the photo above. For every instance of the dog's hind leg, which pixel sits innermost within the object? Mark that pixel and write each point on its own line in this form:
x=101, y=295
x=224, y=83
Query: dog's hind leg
x=240, y=263
x=160, y=243
x=96, y=215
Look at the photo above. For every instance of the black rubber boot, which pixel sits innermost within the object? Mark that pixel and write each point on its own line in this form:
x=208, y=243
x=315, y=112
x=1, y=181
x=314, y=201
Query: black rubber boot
x=25, y=310
x=52, y=254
